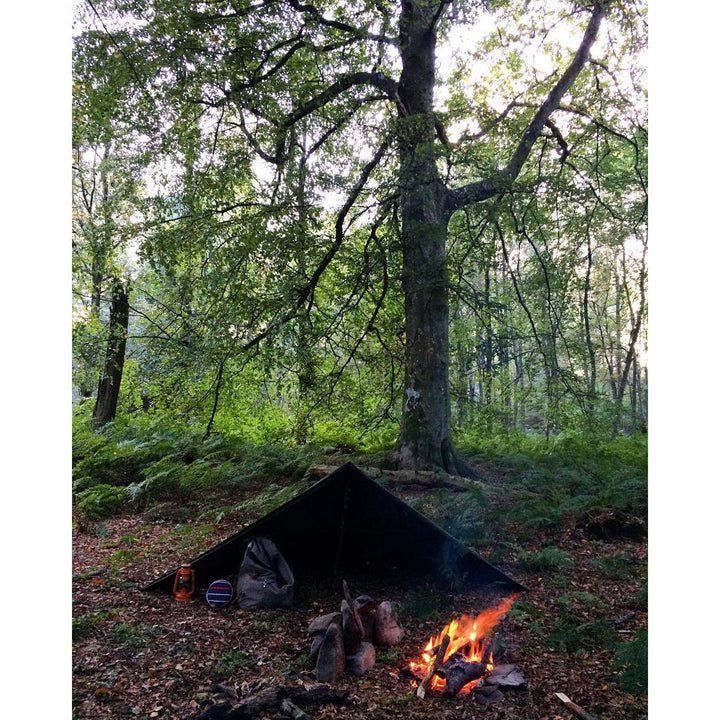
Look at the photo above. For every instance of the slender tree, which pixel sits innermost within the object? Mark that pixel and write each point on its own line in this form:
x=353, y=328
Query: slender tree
x=111, y=377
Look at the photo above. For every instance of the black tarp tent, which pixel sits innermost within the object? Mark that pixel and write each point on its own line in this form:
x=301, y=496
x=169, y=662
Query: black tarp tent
x=348, y=524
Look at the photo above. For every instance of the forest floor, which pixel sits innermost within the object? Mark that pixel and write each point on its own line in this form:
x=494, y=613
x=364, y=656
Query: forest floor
x=144, y=655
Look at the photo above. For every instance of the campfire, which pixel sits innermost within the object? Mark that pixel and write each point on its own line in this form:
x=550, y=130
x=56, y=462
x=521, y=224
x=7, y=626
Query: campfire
x=460, y=658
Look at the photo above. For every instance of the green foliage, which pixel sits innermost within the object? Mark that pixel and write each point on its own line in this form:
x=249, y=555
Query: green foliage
x=156, y=461
x=101, y=501
x=631, y=660
x=641, y=596
x=572, y=635
x=528, y=616
x=117, y=455
x=400, y=702
x=556, y=480
x=255, y=320
x=192, y=538
x=585, y=598
x=84, y=626
x=620, y=566
x=120, y=559
x=388, y=656
x=271, y=498
x=232, y=661
x=550, y=558
x=129, y=636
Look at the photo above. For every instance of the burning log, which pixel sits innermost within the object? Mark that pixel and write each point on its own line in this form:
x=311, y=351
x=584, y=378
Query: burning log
x=460, y=673
x=437, y=662
x=466, y=641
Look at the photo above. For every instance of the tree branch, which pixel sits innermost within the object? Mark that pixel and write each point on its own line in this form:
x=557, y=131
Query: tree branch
x=385, y=84
x=306, y=291
x=501, y=181
x=376, y=79
x=336, y=24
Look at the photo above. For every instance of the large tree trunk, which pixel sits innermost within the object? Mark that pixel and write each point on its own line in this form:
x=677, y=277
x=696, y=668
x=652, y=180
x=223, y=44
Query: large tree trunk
x=109, y=385
x=424, y=440
x=426, y=207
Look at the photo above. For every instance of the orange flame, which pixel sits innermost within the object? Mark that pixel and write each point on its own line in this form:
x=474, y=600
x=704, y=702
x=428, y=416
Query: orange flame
x=469, y=636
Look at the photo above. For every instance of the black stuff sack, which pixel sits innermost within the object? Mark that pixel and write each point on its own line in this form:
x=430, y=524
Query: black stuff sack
x=265, y=579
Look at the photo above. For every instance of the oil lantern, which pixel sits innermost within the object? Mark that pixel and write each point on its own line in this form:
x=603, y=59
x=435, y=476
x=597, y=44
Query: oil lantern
x=184, y=586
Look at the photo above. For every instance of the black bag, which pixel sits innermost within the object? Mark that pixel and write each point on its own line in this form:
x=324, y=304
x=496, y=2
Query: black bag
x=265, y=579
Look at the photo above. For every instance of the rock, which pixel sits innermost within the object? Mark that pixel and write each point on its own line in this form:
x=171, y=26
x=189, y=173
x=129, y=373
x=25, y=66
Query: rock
x=322, y=623
x=365, y=607
x=388, y=630
x=361, y=661
x=352, y=632
x=317, y=641
x=487, y=694
x=331, y=655
x=505, y=676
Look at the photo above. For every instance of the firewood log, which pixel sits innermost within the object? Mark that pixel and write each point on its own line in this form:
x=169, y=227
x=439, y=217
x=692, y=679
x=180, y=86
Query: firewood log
x=290, y=709
x=459, y=674
x=437, y=662
x=274, y=696
x=422, y=478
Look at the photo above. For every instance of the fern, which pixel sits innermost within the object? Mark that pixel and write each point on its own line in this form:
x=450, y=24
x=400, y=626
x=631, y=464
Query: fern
x=631, y=659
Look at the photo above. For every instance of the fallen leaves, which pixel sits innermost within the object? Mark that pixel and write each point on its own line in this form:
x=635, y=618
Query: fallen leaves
x=144, y=655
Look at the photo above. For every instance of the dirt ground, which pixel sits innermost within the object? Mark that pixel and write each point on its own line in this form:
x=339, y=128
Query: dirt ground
x=144, y=655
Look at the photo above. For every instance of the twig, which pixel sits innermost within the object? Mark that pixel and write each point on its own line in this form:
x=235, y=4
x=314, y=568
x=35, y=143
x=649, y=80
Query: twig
x=570, y=705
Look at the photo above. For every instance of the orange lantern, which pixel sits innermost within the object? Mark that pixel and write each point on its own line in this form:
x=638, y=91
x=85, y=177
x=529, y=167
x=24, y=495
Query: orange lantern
x=184, y=586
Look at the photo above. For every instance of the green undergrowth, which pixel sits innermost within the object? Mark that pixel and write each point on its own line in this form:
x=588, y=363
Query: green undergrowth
x=534, y=482
x=460, y=514
x=631, y=660
x=125, y=467
x=548, y=482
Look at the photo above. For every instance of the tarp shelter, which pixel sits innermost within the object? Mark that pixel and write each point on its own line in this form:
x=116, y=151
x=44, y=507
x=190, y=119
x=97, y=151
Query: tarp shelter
x=347, y=524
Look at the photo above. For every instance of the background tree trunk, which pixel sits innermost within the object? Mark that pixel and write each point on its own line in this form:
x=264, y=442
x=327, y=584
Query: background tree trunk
x=109, y=385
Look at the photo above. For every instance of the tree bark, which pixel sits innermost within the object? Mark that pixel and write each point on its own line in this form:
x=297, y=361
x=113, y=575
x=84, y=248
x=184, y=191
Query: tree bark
x=109, y=384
